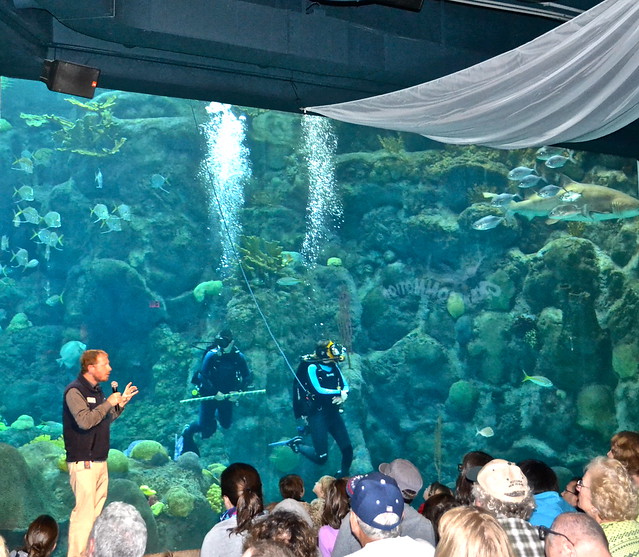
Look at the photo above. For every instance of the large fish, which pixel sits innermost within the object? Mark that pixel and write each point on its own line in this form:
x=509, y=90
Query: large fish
x=594, y=203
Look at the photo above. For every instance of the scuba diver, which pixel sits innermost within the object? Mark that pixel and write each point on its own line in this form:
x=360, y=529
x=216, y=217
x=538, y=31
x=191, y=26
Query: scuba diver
x=222, y=374
x=319, y=391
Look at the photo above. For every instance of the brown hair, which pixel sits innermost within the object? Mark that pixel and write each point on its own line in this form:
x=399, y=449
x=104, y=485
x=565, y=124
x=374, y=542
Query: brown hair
x=41, y=537
x=336, y=505
x=89, y=358
x=287, y=528
x=625, y=448
x=242, y=484
x=292, y=487
x=464, y=487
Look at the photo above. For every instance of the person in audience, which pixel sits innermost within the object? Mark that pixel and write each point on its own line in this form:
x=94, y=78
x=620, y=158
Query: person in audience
x=377, y=508
x=241, y=487
x=120, y=531
x=287, y=528
x=267, y=548
x=3, y=548
x=624, y=446
x=409, y=480
x=434, y=507
x=292, y=491
x=501, y=488
x=433, y=489
x=545, y=487
x=472, y=532
x=570, y=494
x=463, y=486
x=41, y=538
x=608, y=495
x=317, y=505
x=575, y=535
x=336, y=507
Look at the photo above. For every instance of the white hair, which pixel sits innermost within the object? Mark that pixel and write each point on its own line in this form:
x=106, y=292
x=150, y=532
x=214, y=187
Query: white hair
x=119, y=531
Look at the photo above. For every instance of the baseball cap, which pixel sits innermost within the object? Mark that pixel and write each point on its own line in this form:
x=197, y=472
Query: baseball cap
x=405, y=473
x=502, y=480
x=376, y=500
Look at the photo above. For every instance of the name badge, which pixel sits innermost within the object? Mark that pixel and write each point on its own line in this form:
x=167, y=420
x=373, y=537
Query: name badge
x=91, y=399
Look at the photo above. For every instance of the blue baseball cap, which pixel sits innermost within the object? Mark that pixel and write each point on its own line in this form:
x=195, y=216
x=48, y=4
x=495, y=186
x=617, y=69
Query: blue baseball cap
x=376, y=500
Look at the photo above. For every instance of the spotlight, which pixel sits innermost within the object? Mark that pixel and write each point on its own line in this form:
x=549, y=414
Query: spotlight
x=73, y=79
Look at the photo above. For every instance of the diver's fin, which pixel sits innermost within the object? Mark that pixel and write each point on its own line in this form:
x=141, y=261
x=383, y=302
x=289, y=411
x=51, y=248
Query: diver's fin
x=293, y=442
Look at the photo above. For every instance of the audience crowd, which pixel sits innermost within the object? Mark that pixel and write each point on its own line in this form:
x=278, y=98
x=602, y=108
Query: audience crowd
x=496, y=509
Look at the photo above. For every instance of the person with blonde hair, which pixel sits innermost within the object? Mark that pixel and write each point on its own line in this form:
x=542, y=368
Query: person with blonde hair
x=624, y=446
x=472, y=532
x=3, y=548
x=608, y=495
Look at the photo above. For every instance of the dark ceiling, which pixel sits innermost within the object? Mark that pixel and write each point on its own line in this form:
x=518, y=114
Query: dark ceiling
x=278, y=54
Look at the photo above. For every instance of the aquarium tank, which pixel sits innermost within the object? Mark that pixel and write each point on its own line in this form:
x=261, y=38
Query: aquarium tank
x=486, y=299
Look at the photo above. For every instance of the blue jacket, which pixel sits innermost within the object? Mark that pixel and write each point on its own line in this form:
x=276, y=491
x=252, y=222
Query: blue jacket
x=549, y=505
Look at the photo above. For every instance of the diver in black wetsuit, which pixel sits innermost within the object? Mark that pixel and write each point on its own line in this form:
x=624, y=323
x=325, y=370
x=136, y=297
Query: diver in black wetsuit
x=319, y=391
x=223, y=370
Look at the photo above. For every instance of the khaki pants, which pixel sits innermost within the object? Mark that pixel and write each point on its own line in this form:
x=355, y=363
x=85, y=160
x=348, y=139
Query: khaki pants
x=89, y=485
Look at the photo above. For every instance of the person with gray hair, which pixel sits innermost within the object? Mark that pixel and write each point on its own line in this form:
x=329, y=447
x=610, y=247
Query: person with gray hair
x=377, y=510
x=576, y=535
x=409, y=480
x=119, y=531
x=501, y=488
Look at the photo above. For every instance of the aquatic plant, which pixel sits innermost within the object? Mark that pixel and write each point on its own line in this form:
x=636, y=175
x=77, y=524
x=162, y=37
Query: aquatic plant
x=437, y=446
x=261, y=259
x=96, y=134
x=393, y=144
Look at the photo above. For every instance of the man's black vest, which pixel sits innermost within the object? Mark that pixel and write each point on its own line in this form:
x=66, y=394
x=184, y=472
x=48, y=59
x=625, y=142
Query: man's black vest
x=82, y=444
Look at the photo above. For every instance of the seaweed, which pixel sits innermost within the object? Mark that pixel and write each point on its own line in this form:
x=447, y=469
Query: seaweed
x=261, y=259
x=94, y=135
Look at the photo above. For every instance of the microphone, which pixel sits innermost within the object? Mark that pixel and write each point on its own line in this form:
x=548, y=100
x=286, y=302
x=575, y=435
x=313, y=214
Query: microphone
x=114, y=388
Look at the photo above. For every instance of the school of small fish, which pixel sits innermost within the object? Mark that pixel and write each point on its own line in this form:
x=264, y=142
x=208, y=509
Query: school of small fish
x=46, y=225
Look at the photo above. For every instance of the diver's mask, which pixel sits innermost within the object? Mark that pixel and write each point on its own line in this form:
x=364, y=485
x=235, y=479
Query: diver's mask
x=335, y=351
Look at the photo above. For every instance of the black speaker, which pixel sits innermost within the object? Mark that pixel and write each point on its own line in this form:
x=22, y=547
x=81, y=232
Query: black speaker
x=73, y=79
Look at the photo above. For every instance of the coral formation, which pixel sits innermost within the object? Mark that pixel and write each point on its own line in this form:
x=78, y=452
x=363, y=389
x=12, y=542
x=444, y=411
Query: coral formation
x=462, y=399
x=179, y=502
x=150, y=452
x=208, y=289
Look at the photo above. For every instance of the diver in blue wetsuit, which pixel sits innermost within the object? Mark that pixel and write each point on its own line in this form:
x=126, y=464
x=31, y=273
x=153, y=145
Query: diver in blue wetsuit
x=223, y=371
x=319, y=391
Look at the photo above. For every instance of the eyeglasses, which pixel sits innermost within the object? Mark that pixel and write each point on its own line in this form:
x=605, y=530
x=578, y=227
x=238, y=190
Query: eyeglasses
x=568, y=491
x=544, y=532
x=580, y=485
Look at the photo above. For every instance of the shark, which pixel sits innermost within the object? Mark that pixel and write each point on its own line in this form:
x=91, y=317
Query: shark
x=588, y=203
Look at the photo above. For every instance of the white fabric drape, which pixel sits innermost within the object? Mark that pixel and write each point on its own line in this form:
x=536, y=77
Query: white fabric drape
x=578, y=82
